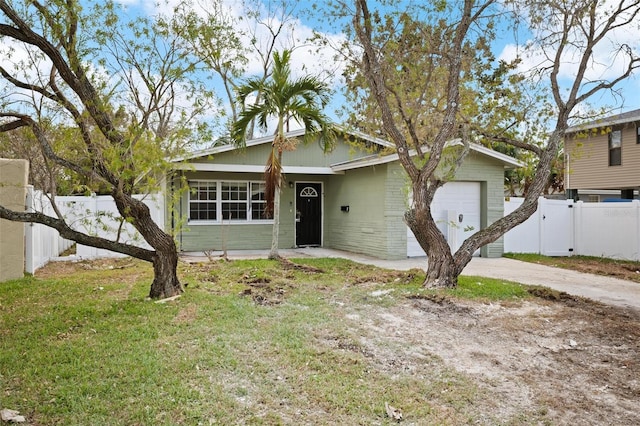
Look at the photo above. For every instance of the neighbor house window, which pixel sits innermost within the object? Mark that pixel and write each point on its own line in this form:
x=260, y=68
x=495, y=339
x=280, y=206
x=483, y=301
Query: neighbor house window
x=217, y=201
x=615, y=147
x=638, y=132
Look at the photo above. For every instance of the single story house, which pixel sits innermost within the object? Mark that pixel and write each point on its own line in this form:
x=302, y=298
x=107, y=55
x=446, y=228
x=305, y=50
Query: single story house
x=352, y=198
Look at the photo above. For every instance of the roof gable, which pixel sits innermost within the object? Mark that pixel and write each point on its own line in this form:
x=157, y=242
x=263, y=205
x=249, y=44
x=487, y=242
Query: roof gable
x=370, y=141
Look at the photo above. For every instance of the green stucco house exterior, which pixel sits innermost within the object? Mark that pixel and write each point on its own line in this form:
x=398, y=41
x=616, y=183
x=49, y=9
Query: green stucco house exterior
x=352, y=198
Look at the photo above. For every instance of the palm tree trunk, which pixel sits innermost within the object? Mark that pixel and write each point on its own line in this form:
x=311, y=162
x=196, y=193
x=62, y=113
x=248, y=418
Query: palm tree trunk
x=273, y=254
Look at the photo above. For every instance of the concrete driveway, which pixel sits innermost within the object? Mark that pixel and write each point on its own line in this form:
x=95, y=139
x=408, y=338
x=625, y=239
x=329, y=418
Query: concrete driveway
x=608, y=290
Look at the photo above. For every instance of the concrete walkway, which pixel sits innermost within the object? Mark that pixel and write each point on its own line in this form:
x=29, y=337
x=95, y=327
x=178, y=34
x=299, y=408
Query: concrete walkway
x=608, y=290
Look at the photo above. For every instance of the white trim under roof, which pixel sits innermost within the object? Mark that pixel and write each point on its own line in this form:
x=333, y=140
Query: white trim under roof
x=374, y=160
x=507, y=159
x=371, y=160
x=251, y=168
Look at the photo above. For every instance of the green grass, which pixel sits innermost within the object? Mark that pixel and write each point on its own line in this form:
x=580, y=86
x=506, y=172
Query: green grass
x=250, y=342
x=488, y=289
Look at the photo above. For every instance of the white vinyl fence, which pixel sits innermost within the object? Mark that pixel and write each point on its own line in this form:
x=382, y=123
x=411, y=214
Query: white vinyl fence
x=93, y=215
x=564, y=228
x=42, y=243
x=608, y=229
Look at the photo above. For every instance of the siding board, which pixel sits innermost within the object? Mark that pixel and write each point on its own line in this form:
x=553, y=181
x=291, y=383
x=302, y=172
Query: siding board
x=588, y=161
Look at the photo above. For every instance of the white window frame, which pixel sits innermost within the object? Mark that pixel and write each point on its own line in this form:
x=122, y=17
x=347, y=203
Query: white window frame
x=262, y=202
x=191, y=201
x=219, y=202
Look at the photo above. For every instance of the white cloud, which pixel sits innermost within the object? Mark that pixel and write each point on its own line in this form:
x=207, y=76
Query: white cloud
x=306, y=59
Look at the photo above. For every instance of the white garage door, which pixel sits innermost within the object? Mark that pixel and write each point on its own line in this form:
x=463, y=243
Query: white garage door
x=456, y=210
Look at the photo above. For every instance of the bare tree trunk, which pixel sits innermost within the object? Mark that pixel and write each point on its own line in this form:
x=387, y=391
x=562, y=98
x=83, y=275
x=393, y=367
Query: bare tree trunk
x=442, y=269
x=165, y=278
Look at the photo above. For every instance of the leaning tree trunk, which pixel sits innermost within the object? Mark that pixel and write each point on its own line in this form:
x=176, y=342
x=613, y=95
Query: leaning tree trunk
x=165, y=260
x=165, y=269
x=442, y=269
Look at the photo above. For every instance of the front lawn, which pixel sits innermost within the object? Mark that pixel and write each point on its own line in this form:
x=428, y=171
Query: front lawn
x=250, y=342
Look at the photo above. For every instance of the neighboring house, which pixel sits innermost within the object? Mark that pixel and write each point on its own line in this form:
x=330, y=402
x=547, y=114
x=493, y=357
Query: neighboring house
x=604, y=156
x=352, y=198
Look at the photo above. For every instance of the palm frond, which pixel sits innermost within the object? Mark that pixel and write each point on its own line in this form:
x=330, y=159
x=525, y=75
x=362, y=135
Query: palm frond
x=284, y=99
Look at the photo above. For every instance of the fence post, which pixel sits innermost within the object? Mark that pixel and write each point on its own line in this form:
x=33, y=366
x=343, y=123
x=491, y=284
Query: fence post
x=540, y=215
x=578, y=228
x=29, y=264
x=636, y=205
x=571, y=204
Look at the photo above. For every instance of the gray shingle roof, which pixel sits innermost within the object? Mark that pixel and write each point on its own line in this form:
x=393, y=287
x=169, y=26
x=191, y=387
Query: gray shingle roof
x=625, y=117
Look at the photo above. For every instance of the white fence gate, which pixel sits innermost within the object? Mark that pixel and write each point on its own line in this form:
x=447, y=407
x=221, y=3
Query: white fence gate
x=563, y=228
x=548, y=231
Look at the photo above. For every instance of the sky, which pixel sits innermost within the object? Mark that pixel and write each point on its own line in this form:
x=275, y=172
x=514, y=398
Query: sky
x=308, y=61
x=605, y=64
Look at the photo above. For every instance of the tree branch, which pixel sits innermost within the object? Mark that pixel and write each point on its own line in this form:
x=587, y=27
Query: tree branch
x=24, y=120
x=511, y=141
x=79, y=237
x=373, y=72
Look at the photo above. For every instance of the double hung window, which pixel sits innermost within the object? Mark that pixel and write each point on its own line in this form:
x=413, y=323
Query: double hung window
x=217, y=201
x=234, y=200
x=258, y=201
x=203, y=196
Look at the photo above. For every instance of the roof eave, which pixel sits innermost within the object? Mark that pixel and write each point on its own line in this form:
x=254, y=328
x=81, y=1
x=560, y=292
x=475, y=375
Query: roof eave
x=508, y=161
x=629, y=117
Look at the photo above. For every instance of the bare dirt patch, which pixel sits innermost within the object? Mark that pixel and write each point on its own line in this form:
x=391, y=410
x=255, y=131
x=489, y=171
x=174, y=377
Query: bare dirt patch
x=568, y=361
x=67, y=267
x=622, y=269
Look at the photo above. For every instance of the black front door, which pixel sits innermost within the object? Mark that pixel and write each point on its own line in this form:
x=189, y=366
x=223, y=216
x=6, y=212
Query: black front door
x=308, y=214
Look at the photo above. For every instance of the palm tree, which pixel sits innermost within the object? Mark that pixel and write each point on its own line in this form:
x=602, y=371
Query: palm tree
x=282, y=99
